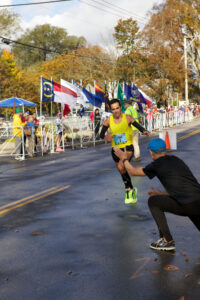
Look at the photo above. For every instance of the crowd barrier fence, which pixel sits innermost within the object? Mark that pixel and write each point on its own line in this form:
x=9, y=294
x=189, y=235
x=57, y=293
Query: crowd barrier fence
x=77, y=133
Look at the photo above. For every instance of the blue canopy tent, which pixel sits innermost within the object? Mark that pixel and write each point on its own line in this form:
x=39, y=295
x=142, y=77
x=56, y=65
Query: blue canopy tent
x=10, y=102
x=16, y=102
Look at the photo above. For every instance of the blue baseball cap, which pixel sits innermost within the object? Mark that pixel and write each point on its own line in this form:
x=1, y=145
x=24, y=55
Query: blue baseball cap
x=157, y=145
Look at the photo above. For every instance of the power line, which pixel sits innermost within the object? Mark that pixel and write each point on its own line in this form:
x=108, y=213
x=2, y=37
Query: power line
x=8, y=41
x=32, y=3
x=102, y=9
x=115, y=7
x=126, y=11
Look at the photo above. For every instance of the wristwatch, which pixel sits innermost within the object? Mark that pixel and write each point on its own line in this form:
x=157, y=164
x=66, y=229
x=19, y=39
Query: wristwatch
x=124, y=160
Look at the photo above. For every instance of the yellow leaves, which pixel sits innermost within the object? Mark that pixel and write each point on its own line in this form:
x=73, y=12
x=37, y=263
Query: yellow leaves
x=8, y=58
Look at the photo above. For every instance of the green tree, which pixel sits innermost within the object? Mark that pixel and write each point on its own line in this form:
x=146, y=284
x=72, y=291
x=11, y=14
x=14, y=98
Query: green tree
x=127, y=40
x=54, y=39
x=9, y=22
x=126, y=35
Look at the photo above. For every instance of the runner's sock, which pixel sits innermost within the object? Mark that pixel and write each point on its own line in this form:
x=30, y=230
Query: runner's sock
x=127, y=181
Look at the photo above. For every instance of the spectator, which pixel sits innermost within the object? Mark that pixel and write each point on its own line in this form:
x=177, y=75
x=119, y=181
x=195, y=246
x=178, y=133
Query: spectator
x=81, y=111
x=36, y=121
x=59, y=131
x=181, y=196
x=30, y=125
x=92, y=118
x=18, y=133
x=97, y=122
x=130, y=110
x=44, y=139
x=24, y=118
x=162, y=116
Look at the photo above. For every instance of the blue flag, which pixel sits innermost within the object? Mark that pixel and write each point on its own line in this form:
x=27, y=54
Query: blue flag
x=93, y=99
x=132, y=93
x=47, y=90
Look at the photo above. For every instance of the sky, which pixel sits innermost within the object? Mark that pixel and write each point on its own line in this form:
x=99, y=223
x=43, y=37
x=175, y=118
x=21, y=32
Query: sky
x=93, y=19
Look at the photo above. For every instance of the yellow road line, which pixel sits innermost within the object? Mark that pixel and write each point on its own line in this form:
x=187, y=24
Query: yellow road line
x=188, y=135
x=34, y=199
x=27, y=198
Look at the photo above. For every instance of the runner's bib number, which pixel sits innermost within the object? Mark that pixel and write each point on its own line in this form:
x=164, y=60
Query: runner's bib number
x=120, y=138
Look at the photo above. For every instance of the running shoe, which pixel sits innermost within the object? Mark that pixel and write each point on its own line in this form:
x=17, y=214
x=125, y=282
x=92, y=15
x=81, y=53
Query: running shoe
x=161, y=245
x=134, y=193
x=128, y=197
x=131, y=196
x=59, y=149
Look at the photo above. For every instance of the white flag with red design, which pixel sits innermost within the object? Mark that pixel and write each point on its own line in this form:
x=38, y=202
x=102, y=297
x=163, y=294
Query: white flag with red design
x=64, y=94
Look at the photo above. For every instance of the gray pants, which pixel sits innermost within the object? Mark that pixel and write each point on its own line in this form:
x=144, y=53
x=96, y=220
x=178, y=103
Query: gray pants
x=18, y=144
x=30, y=144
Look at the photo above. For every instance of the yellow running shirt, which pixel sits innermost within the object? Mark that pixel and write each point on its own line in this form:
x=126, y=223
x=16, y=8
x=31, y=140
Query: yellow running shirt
x=121, y=133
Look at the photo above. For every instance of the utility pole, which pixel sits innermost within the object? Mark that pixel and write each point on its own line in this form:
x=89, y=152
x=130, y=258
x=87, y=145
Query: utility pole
x=186, y=71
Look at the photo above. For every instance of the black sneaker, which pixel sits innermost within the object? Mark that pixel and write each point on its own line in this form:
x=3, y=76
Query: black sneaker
x=163, y=246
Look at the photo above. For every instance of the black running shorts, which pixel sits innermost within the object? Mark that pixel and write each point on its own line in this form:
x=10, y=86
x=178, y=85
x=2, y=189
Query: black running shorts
x=128, y=149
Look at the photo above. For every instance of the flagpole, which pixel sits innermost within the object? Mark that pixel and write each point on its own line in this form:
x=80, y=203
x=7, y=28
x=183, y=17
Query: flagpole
x=81, y=83
x=95, y=94
x=52, y=149
x=40, y=96
x=51, y=101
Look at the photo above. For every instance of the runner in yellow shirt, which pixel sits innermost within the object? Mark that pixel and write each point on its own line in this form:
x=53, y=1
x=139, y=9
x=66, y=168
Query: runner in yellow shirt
x=121, y=136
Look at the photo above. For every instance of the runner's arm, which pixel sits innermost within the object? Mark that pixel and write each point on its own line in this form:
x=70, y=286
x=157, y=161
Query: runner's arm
x=104, y=128
x=132, y=121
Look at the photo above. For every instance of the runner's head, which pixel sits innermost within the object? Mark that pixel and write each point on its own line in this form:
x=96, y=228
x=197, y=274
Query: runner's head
x=115, y=107
x=127, y=103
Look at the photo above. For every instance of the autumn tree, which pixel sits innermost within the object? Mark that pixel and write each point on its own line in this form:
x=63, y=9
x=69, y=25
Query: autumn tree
x=45, y=42
x=15, y=83
x=87, y=63
x=163, y=41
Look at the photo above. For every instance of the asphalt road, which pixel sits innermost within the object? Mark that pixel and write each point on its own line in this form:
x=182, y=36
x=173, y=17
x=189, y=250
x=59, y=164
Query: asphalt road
x=66, y=234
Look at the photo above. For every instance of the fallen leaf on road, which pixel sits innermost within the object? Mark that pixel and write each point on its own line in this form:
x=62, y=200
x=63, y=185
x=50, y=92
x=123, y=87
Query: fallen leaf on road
x=181, y=298
x=198, y=263
x=188, y=275
x=155, y=259
x=16, y=230
x=198, y=282
x=187, y=259
x=69, y=272
x=171, y=268
x=155, y=271
x=36, y=233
